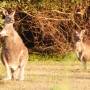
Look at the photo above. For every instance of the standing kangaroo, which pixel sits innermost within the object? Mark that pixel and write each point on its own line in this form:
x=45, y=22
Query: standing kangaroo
x=83, y=48
x=14, y=53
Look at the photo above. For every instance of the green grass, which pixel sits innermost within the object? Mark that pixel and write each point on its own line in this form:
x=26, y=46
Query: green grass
x=61, y=87
x=67, y=58
x=50, y=72
x=2, y=70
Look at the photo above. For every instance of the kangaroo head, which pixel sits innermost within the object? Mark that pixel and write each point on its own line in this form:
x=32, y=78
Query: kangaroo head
x=80, y=35
x=9, y=20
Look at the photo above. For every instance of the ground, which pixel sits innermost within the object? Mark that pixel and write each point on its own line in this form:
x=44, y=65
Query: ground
x=50, y=75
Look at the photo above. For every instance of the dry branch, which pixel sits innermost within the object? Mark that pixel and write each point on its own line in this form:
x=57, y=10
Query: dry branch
x=49, y=32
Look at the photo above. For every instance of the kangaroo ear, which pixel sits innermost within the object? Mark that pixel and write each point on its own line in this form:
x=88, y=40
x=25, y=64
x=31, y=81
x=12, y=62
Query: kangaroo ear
x=12, y=14
x=82, y=32
x=5, y=12
x=77, y=33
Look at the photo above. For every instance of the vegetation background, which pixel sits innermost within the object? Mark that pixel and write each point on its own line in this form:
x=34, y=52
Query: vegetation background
x=51, y=24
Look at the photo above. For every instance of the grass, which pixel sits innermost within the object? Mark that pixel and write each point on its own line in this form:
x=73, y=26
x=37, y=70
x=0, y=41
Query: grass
x=50, y=72
x=53, y=57
x=67, y=58
x=61, y=87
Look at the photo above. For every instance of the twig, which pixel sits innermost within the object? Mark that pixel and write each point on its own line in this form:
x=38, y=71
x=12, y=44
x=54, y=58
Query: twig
x=55, y=19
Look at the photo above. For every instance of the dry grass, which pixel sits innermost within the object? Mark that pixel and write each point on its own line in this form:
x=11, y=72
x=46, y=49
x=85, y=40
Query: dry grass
x=49, y=75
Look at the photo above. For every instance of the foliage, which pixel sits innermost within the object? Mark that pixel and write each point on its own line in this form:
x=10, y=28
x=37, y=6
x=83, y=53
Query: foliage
x=52, y=23
x=62, y=5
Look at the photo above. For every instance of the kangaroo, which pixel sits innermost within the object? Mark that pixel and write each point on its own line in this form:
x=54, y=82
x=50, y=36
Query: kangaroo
x=14, y=53
x=83, y=48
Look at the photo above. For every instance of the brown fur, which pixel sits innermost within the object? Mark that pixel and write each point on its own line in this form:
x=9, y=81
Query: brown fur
x=14, y=52
x=83, y=48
